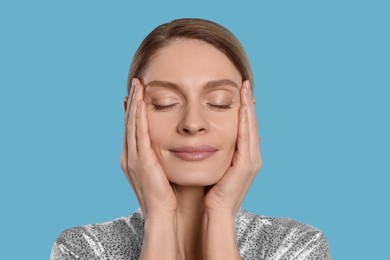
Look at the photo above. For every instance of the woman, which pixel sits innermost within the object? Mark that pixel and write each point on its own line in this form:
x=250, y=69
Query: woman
x=191, y=152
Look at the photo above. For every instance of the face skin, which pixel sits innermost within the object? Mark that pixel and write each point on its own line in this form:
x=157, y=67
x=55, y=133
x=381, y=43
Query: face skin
x=191, y=111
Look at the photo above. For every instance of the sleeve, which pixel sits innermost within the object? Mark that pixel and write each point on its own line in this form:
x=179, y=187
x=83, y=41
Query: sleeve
x=298, y=241
x=76, y=243
x=316, y=249
x=60, y=252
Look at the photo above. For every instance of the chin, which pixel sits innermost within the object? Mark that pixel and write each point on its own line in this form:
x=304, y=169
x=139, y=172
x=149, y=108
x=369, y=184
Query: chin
x=195, y=176
x=193, y=181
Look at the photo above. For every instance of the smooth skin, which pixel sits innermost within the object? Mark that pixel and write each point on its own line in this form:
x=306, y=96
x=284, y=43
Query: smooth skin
x=190, y=216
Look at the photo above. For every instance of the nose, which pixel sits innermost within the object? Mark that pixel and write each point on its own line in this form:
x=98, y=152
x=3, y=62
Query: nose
x=193, y=122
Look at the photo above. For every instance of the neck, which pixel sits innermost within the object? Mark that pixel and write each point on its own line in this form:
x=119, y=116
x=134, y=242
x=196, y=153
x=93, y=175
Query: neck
x=190, y=209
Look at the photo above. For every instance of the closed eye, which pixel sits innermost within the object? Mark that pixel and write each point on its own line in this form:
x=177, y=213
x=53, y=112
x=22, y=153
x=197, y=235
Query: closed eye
x=162, y=108
x=219, y=107
x=213, y=106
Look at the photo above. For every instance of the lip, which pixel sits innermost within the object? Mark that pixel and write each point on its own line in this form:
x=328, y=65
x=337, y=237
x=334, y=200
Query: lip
x=194, y=153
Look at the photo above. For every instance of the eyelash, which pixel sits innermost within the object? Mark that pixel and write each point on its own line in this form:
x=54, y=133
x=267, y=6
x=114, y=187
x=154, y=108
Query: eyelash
x=162, y=108
x=218, y=107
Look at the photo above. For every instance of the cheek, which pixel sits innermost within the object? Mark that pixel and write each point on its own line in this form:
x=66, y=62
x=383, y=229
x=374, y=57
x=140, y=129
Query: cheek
x=159, y=132
x=154, y=134
x=232, y=132
x=227, y=128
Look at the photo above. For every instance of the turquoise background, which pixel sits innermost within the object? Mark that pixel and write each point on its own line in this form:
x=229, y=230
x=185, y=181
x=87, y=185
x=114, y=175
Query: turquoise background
x=322, y=91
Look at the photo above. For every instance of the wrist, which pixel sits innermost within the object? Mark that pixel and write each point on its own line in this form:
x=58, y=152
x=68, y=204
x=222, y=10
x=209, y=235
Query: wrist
x=160, y=237
x=219, y=236
x=160, y=221
x=219, y=219
x=220, y=214
x=158, y=215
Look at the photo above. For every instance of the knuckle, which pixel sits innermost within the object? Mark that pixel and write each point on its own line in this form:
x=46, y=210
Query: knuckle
x=123, y=165
x=255, y=164
x=259, y=164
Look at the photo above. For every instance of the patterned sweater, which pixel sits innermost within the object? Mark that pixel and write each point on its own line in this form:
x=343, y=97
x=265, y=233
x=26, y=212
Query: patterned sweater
x=258, y=237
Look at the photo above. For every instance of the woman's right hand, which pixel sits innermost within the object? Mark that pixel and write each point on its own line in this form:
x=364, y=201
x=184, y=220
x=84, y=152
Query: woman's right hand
x=139, y=162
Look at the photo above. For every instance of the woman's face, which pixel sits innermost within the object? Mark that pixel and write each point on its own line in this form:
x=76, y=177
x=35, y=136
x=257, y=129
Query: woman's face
x=192, y=94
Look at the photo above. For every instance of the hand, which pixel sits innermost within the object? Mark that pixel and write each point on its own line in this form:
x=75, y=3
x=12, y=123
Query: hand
x=227, y=195
x=139, y=162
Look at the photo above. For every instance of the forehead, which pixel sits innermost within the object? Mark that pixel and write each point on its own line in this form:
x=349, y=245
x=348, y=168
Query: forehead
x=190, y=63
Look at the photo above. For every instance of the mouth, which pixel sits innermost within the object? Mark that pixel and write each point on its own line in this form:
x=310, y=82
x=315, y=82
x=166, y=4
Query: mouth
x=194, y=153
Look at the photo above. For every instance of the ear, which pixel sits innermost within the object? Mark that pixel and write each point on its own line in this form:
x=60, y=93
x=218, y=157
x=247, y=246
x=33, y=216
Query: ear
x=125, y=103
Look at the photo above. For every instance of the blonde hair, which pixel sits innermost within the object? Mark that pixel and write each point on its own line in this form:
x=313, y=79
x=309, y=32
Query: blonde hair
x=190, y=28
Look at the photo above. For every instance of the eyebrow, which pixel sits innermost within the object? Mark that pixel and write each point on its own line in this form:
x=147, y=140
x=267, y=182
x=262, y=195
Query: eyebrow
x=209, y=84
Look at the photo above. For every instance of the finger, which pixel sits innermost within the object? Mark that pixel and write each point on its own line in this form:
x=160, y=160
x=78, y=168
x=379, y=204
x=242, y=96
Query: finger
x=142, y=130
x=124, y=155
x=124, y=151
x=252, y=120
x=131, y=123
x=129, y=99
x=251, y=106
x=243, y=130
x=143, y=139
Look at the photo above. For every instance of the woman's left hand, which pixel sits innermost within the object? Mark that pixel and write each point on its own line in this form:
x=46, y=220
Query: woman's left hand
x=226, y=196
